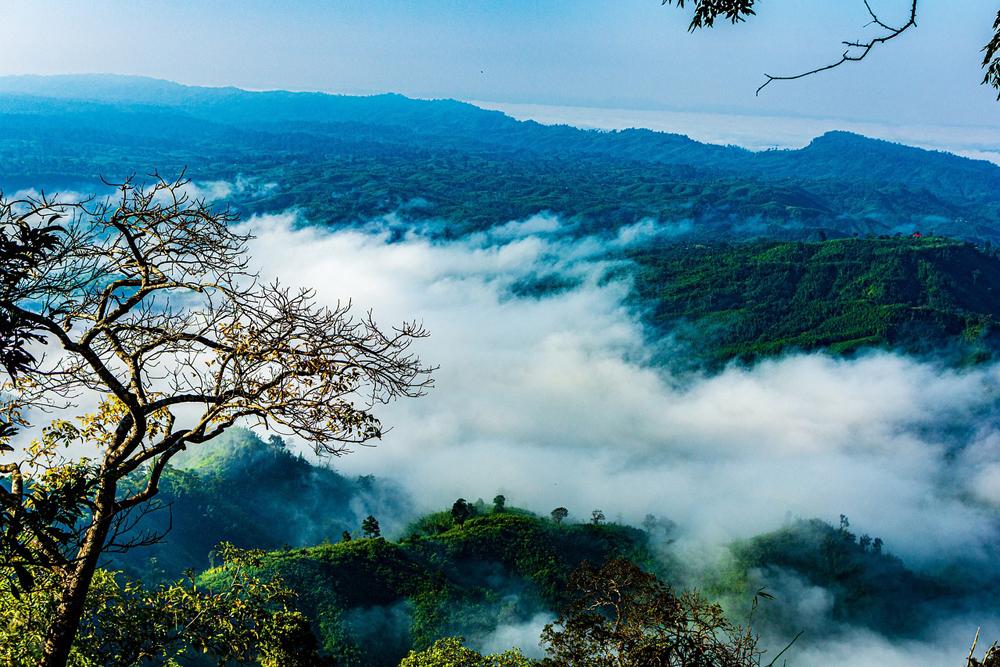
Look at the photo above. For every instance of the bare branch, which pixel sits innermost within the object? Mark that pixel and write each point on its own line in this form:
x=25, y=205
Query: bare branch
x=856, y=50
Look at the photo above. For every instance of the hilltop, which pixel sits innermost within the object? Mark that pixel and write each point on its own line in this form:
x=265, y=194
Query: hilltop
x=371, y=599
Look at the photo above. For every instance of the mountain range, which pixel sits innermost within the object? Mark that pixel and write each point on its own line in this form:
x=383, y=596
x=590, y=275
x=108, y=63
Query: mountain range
x=346, y=159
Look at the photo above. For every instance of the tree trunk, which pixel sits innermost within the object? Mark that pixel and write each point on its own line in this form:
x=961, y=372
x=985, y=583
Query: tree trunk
x=72, y=598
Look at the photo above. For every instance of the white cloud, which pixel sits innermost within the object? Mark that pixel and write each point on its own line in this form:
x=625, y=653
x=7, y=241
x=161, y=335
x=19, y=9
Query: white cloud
x=553, y=401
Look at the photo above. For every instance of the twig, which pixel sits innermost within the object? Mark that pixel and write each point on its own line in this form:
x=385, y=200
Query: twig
x=865, y=47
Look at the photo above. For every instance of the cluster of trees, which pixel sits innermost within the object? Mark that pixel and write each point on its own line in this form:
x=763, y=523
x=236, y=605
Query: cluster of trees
x=247, y=618
x=870, y=587
x=619, y=616
x=219, y=490
x=372, y=601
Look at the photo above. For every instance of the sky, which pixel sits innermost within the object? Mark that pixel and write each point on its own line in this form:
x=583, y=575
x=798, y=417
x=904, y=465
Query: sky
x=624, y=55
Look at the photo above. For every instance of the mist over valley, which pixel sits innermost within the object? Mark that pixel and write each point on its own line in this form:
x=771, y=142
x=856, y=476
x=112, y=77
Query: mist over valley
x=766, y=370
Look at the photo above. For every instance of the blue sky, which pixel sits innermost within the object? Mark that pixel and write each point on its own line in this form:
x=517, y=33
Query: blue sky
x=626, y=54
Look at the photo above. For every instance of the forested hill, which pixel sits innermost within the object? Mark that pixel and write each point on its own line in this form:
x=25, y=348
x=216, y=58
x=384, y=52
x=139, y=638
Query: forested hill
x=346, y=159
x=753, y=300
x=834, y=155
x=372, y=597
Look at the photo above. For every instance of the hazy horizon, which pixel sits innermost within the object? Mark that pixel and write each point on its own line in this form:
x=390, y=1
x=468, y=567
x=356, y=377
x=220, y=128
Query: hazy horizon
x=632, y=55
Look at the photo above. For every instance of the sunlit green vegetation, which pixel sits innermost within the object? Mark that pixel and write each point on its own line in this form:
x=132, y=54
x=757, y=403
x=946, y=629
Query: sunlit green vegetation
x=372, y=600
x=750, y=301
x=249, y=492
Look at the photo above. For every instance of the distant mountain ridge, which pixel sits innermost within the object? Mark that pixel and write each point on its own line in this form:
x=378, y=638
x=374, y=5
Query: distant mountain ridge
x=345, y=159
x=856, y=155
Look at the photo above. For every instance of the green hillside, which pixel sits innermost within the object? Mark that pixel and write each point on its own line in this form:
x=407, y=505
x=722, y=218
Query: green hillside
x=253, y=494
x=372, y=600
x=753, y=300
x=833, y=155
x=867, y=586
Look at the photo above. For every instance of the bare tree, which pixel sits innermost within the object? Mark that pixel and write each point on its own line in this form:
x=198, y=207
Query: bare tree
x=149, y=303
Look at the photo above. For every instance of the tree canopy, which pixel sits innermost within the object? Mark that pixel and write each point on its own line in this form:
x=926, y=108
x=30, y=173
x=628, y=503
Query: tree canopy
x=621, y=616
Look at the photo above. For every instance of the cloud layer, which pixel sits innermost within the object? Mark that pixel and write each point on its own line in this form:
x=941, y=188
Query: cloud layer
x=552, y=401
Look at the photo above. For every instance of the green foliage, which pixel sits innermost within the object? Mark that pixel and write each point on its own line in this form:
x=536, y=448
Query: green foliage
x=228, y=485
x=449, y=652
x=434, y=523
x=753, y=300
x=461, y=511
x=372, y=601
x=344, y=160
x=990, y=659
x=370, y=527
x=127, y=624
x=44, y=510
x=287, y=640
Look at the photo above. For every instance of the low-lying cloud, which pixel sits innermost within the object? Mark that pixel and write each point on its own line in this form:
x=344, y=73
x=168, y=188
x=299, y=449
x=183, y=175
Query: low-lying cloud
x=553, y=400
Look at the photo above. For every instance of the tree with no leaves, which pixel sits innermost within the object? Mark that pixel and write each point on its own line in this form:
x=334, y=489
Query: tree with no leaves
x=147, y=304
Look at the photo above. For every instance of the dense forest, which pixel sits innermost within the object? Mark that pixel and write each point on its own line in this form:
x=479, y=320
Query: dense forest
x=753, y=300
x=345, y=160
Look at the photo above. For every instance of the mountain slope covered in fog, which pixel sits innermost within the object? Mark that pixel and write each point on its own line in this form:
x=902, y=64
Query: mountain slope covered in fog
x=497, y=575
x=631, y=320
